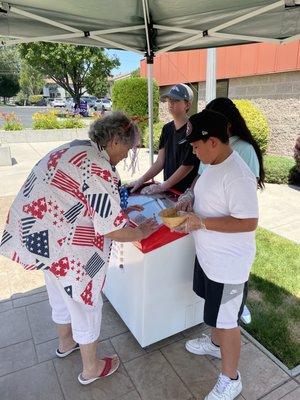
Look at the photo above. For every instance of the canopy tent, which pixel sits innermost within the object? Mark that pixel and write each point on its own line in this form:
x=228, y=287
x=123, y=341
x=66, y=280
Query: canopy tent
x=150, y=27
x=145, y=25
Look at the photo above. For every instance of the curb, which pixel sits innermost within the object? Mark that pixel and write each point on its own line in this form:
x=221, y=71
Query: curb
x=42, y=135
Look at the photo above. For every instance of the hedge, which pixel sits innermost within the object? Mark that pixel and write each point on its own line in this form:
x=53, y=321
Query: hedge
x=131, y=96
x=279, y=170
x=256, y=122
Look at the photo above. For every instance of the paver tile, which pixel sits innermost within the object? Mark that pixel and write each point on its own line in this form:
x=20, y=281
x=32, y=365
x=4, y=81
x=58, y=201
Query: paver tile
x=14, y=327
x=127, y=346
x=155, y=379
x=42, y=326
x=35, y=383
x=17, y=356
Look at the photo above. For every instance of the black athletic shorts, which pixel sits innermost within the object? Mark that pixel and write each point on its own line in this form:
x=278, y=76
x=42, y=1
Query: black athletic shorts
x=224, y=302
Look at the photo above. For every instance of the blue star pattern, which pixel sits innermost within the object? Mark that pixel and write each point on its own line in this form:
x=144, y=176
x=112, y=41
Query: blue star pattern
x=37, y=243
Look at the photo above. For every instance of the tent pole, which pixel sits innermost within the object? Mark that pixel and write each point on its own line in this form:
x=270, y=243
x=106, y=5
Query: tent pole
x=210, y=87
x=150, y=109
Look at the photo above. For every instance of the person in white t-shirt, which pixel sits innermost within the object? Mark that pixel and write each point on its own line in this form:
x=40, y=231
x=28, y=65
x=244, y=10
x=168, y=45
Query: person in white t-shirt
x=243, y=142
x=223, y=223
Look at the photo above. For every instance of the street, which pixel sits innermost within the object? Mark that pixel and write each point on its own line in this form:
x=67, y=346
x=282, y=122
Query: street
x=23, y=112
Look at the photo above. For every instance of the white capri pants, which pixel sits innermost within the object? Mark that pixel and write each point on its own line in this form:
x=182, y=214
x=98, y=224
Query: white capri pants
x=84, y=319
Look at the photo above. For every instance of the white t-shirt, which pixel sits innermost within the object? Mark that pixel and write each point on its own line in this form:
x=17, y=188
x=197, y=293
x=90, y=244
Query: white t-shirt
x=226, y=189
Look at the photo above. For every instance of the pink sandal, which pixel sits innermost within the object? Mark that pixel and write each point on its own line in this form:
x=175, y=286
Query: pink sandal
x=107, y=370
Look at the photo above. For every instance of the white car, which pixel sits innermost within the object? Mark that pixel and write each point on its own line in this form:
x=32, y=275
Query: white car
x=103, y=103
x=58, y=103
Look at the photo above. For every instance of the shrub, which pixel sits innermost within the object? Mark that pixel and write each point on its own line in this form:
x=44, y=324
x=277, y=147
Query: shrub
x=45, y=120
x=74, y=122
x=297, y=153
x=130, y=96
x=49, y=120
x=256, y=122
x=11, y=122
x=157, y=127
x=21, y=99
x=295, y=173
x=278, y=169
x=35, y=98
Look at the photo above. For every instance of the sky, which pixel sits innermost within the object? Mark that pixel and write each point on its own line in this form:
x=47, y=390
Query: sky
x=129, y=61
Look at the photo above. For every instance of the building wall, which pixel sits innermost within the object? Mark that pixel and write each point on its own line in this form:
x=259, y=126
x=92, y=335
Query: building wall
x=232, y=62
x=284, y=85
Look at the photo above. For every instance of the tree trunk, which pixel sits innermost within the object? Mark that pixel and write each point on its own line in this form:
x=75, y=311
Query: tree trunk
x=76, y=99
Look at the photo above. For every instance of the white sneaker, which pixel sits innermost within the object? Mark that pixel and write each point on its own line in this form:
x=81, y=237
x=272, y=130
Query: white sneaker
x=225, y=388
x=202, y=346
x=246, y=315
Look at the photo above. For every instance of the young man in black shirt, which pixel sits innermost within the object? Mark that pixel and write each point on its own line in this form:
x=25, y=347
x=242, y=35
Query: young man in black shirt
x=180, y=165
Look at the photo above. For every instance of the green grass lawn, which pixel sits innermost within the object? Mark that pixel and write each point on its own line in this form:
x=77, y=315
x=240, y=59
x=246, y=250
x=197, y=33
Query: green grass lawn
x=274, y=297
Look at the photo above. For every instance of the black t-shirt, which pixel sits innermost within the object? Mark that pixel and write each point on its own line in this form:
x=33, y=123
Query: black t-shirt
x=177, y=154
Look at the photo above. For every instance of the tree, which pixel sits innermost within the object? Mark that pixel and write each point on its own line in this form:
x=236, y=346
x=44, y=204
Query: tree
x=97, y=88
x=9, y=86
x=9, y=72
x=74, y=68
x=136, y=73
x=31, y=80
x=9, y=61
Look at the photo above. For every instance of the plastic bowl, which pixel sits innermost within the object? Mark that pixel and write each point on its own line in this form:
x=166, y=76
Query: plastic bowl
x=171, y=217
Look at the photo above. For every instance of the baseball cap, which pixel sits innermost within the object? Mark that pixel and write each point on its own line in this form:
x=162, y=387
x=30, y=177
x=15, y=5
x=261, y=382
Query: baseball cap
x=205, y=124
x=179, y=92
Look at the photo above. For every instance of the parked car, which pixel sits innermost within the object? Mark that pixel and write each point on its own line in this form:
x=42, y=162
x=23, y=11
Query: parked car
x=41, y=103
x=91, y=100
x=105, y=104
x=70, y=104
x=58, y=103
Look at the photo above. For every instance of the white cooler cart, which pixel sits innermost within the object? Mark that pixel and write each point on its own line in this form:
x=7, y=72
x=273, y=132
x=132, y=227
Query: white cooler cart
x=149, y=283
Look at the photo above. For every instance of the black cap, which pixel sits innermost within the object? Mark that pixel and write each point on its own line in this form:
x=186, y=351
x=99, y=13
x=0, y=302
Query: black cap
x=206, y=124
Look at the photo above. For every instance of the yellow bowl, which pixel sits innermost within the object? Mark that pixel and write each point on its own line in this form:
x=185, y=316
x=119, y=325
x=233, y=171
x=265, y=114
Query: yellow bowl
x=171, y=218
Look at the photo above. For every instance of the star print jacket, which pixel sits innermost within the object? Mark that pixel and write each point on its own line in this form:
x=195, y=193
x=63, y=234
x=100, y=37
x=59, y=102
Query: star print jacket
x=58, y=220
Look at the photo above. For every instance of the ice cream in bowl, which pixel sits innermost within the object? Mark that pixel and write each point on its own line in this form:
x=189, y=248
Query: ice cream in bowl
x=172, y=217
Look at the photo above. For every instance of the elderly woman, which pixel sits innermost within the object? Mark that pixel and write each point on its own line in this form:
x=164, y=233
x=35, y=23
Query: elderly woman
x=63, y=222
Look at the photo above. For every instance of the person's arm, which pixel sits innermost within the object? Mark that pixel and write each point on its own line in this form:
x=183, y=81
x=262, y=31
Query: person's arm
x=157, y=166
x=129, y=234
x=243, y=208
x=185, y=201
x=178, y=175
x=219, y=224
x=155, y=169
x=189, y=163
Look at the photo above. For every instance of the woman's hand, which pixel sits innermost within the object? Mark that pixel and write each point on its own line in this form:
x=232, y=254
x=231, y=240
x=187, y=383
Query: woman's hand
x=185, y=201
x=134, y=207
x=192, y=223
x=184, y=205
x=147, y=227
x=153, y=189
x=135, y=185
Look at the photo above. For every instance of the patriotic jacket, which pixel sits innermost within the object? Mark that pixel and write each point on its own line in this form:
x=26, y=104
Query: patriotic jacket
x=58, y=220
